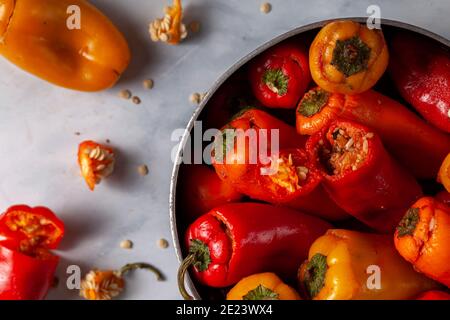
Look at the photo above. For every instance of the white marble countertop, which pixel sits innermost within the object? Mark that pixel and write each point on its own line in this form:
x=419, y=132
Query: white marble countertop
x=38, y=124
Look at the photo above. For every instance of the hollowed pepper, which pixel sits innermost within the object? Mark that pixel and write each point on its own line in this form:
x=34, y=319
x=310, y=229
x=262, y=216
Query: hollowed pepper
x=361, y=177
x=350, y=265
x=36, y=37
x=286, y=177
x=347, y=57
x=396, y=125
x=423, y=238
x=240, y=239
x=27, y=266
x=262, y=286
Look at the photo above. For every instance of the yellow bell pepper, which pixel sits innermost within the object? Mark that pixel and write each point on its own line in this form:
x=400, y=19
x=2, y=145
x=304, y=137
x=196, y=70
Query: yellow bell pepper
x=35, y=36
x=262, y=286
x=350, y=265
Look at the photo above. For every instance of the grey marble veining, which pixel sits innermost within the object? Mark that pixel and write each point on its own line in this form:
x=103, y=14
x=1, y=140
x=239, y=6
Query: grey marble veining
x=38, y=121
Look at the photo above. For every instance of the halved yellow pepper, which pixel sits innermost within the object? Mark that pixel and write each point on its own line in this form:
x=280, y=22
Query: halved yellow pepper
x=34, y=35
x=343, y=265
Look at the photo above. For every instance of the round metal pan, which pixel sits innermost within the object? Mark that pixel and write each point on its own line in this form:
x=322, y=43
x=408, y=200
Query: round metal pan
x=237, y=66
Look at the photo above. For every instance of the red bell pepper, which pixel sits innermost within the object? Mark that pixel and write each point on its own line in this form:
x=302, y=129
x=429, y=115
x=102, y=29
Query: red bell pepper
x=202, y=190
x=280, y=76
x=417, y=145
x=434, y=295
x=291, y=181
x=360, y=175
x=420, y=69
x=239, y=239
x=26, y=265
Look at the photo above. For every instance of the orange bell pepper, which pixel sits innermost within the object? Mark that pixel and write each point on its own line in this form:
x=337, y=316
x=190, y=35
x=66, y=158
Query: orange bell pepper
x=96, y=162
x=423, y=238
x=318, y=109
x=35, y=37
x=341, y=262
x=347, y=57
x=444, y=173
x=262, y=286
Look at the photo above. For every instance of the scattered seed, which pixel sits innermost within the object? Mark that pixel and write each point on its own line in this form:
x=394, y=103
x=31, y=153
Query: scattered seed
x=93, y=153
x=108, y=141
x=432, y=224
x=143, y=170
x=164, y=37
x=194, y=26
x=195, y=98
x=126, y=244
x=349, y=144
x=183, y=31
x=266, y=7
x=365, y=146
x=77, y=133
x=136, y=100
x=148, y=84
x=125, y=94
x=302, y=176
x=163, y=243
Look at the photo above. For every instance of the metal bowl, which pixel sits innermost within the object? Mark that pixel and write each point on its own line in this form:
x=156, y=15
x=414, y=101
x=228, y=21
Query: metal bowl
x=175, y=227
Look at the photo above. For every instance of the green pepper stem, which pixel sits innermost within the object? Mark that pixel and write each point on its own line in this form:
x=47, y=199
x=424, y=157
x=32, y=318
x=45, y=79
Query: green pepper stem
x=189, y=261
x=140, y=265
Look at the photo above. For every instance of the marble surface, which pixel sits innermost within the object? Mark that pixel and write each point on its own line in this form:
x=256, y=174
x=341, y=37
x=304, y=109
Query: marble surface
x=38, y=122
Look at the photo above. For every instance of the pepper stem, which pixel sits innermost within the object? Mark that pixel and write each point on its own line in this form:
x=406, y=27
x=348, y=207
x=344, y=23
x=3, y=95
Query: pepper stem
x=140, y=265
x=351, y=56
x=313, y=102
x=189, y=261
x=276, y=81
x=315, y=272
x=408, y=224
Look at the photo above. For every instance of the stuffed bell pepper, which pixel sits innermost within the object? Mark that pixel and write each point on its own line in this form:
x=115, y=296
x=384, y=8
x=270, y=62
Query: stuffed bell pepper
x=361, y=177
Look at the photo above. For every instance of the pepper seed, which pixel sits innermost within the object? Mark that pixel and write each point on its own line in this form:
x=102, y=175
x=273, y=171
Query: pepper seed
x=125, y=94
x=195, y=98
x=148, y=84
x=126, y=244
x=136, y=100
x=163, y=243
x=266, y=7
x=143, y=170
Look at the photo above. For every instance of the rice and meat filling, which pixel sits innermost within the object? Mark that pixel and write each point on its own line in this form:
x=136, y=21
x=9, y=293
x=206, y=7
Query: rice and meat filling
x=348, y=151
